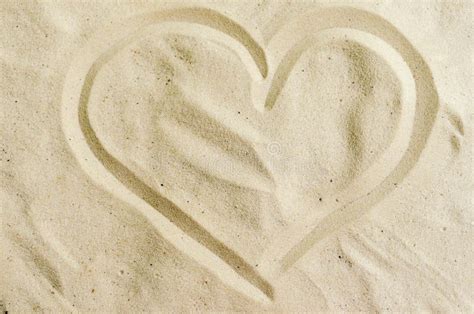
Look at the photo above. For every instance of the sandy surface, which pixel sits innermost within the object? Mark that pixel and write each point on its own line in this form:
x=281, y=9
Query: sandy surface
x=236, y=156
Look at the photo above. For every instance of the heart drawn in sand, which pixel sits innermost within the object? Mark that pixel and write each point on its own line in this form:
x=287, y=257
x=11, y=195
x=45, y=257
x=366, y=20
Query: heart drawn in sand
x=269, y=66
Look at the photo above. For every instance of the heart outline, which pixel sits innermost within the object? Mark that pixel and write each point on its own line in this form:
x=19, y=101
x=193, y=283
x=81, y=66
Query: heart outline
x=427, y=105
x=93, y=156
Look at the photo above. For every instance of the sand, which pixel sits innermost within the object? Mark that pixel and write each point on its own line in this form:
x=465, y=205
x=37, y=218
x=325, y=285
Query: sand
x=236, y=156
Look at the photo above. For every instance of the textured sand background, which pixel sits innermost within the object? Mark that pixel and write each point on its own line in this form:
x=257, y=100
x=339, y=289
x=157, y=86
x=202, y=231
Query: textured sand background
x=236, y=156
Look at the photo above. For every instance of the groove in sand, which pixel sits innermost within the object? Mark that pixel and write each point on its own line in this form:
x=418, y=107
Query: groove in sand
x=283, y=51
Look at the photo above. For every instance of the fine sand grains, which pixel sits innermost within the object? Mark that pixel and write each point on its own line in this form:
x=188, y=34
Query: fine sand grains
x=292, y=157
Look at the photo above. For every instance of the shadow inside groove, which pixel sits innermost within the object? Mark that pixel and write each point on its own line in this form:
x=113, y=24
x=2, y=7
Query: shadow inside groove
x=148, y=194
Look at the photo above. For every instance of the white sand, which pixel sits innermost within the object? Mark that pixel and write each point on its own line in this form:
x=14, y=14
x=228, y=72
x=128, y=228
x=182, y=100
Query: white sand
x=236, y=156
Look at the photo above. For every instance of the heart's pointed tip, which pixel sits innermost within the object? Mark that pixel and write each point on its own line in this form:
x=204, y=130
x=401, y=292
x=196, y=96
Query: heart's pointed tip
x=267, y=300
x=264, y=72
x=260, y=96
x=261, y=63
x=267, y=106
